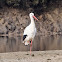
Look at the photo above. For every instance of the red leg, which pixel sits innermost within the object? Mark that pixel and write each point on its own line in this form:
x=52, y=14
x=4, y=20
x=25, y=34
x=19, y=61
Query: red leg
x=30, y=47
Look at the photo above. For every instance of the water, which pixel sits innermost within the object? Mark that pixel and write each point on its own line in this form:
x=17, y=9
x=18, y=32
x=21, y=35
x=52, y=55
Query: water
x=41, y=43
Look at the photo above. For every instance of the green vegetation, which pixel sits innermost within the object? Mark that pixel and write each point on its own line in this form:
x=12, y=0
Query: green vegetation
x=36, y=5
x=26, y=3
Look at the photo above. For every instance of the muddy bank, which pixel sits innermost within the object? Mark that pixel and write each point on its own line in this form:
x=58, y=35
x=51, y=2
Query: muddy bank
x=36, y=56
x=13, y=21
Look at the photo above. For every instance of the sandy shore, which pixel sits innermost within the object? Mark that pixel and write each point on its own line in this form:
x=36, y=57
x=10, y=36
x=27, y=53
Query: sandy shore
x=36, y=56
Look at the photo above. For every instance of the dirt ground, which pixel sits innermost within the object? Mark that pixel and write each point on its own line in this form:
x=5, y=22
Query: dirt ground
x=36, y=56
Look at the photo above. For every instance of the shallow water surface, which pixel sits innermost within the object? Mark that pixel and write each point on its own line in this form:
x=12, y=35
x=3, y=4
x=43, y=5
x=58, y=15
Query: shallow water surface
x=41, y=43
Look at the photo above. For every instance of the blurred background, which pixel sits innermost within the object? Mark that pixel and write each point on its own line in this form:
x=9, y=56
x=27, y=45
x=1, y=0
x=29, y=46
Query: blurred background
x=14, y=17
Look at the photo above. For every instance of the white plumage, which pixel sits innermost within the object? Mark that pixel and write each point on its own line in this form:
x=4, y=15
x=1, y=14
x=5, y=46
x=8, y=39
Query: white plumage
x=30, y=30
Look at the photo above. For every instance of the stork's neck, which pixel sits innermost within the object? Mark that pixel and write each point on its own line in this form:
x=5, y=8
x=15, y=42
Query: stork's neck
x=32, y=21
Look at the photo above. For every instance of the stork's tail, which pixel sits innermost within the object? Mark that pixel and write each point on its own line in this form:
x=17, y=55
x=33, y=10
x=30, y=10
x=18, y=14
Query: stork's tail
x=22, y=41
x=26, y=43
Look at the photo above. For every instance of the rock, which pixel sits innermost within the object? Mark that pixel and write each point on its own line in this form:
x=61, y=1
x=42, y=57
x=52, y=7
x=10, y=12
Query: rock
x=15, y=20
x=3, y=29
x=1, y=20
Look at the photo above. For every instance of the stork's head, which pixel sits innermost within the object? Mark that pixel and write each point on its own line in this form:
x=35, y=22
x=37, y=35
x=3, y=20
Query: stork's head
x=32, y=15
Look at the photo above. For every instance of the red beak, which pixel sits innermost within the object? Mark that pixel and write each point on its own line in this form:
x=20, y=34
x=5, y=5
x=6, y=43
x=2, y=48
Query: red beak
x=35, y=17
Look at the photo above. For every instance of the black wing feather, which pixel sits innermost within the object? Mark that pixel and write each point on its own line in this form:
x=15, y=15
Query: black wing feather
x=24, y=36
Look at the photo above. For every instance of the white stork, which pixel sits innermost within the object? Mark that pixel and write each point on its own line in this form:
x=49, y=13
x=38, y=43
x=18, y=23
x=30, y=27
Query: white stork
x=30, y=31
